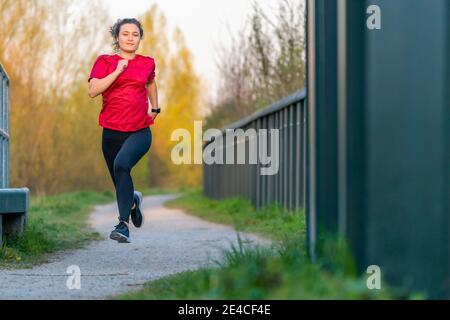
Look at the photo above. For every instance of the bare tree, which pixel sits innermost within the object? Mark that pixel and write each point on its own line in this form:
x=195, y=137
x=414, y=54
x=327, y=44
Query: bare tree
x=265, y=62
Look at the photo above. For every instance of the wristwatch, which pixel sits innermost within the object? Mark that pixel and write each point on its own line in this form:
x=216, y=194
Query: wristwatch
x=157, y=110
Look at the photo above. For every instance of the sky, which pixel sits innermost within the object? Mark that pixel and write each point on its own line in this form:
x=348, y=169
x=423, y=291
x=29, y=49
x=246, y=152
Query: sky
x=220, y=16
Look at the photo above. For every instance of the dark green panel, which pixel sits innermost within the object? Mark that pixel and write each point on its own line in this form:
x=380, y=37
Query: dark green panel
x=383, y=178
x=407, y=136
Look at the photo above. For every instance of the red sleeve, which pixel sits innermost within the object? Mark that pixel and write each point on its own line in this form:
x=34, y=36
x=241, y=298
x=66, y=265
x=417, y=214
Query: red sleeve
x=151, y=77
x=100, y=69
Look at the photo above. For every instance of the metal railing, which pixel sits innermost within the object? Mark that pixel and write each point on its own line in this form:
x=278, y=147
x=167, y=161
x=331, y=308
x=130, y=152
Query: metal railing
x=14, y=202
x=4, y=128
x=287, y=186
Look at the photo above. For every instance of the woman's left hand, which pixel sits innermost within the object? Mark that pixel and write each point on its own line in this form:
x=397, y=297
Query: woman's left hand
x=153, y=114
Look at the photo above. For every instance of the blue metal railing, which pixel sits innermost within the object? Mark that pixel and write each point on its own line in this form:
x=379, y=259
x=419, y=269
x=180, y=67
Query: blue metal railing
x=4, y=128
x=287, y=186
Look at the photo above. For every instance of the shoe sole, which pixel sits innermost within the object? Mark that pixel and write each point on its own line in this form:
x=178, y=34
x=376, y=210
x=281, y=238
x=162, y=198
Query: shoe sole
x=119, y=237
x=139, y=194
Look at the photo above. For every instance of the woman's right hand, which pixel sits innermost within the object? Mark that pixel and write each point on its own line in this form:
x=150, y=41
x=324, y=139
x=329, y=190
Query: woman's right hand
x=121, y=66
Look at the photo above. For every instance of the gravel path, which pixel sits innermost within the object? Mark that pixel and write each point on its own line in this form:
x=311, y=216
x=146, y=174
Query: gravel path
x=170, y=241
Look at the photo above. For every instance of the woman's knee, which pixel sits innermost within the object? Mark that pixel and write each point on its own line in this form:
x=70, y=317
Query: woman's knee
x=121, y=166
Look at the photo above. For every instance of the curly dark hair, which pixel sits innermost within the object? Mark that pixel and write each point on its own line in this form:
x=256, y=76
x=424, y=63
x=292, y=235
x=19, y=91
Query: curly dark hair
x=115, y=30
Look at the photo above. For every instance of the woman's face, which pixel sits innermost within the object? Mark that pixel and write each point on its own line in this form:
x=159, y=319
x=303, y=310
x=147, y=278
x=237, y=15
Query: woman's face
x=129, y=37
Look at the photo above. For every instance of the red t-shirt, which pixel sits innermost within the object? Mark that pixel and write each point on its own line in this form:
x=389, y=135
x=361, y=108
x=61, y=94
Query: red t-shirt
x=125, y=102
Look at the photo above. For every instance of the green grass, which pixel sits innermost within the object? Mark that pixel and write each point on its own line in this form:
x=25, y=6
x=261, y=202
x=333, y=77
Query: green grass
x=283, y=271
x=56, y=222
x=272, y=221
x=259, y=274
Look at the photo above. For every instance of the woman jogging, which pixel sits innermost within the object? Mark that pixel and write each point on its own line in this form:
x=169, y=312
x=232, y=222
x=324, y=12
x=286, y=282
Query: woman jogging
x=124, y=79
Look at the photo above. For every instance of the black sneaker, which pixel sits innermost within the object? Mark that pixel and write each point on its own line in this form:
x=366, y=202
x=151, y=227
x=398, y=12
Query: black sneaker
x=121, y=233
x=136, y=215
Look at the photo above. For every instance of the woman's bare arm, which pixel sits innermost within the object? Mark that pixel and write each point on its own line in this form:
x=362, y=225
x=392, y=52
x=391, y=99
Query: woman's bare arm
x=153, y=91
x=98, y=86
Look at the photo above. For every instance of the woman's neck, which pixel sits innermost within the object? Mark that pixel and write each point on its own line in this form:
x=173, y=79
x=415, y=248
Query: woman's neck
x=127, y=55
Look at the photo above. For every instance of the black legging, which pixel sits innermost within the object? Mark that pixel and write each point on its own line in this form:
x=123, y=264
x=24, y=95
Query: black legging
x=122, y=150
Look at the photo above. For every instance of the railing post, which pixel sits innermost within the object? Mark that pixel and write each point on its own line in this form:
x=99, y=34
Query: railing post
x=4, y=128
x=322, y=131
